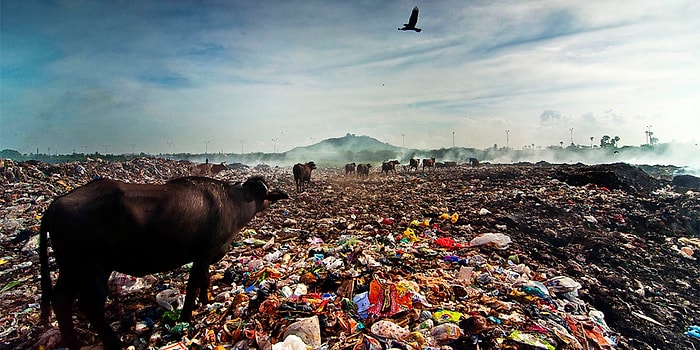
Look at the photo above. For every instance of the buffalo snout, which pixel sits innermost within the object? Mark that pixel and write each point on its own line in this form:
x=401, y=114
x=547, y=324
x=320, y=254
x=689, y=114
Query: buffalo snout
x=273, y=196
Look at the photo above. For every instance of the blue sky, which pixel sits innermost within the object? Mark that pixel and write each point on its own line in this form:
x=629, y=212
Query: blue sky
x=232, y=76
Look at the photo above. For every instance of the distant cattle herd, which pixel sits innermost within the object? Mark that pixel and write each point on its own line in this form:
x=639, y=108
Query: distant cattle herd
x=302, y=171
x=391, y=166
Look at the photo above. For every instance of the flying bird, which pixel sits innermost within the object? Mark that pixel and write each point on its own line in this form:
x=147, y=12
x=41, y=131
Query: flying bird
x=411, y=25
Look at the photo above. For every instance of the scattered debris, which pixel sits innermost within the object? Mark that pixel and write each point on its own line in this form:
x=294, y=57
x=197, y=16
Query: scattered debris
x=495, y=256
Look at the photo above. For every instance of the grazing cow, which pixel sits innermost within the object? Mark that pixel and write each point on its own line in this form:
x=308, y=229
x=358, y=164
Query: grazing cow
x=349, y=168
x=363, y=170
x=413, y=164
x=302, y=174
x=139, y=229
x=473, y=161
x=450, y=164
x=207, y=169
x=389, y=166
x=202, y=169
x=217, y=168
x=430, y=163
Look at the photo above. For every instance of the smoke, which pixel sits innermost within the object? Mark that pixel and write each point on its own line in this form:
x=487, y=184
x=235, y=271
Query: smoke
x=337, y=152
x=680, y=155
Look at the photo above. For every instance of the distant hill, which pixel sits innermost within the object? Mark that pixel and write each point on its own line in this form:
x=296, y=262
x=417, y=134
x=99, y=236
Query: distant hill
x=348, y=143
x=345, y=149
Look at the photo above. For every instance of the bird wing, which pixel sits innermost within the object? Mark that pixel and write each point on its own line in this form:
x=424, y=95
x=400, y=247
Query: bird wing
x=414, y=17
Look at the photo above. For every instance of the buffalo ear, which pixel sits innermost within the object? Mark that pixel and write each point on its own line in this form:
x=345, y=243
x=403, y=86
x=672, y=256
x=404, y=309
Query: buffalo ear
x=256, y=186
x=275, y=195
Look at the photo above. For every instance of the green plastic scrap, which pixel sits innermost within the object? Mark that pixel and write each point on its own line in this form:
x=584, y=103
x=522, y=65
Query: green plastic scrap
x=171, y=316
x=9, y=286
x=179, y=328
x=530, y=339
x=350, y=241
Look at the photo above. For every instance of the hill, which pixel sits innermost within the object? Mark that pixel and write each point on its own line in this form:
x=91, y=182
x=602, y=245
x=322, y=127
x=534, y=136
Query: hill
x=340, y=150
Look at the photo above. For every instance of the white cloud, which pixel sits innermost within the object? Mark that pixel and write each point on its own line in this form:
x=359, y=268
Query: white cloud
x=226, y=72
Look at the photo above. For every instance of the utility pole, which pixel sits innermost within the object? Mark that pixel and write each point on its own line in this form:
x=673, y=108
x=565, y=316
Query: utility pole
x=453, y=139
x=206, y=147
x=571, y=130
x=403, y=140
x=648, y=134
x=507, y=138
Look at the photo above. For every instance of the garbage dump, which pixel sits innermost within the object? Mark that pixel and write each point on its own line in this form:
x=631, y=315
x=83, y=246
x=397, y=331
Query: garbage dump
x=525, y=256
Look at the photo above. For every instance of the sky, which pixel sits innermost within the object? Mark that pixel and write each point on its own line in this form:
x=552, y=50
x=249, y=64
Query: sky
x=264, y=76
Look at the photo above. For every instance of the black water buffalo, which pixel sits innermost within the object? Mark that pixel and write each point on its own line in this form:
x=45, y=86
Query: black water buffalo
x=389, y=166
x=350, y=168
x=302, y=174
x=413, y=164
x=363, y=170
x=139, y=229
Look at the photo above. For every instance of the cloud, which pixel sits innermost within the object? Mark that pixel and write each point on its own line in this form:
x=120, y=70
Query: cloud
x=548, y=116
x=230, y=71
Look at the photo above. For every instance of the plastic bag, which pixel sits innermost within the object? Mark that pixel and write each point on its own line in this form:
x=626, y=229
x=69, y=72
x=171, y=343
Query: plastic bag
x=530, y=339
x=388, y=329
x=307, y=329
x=443, y=316
x=446, y=332
x=291, y=342
x=362, y=302
x=167, y=297
x=498, y=240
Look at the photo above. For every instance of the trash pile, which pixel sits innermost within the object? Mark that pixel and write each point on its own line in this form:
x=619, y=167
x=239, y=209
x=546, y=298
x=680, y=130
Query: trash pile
x=526, y=256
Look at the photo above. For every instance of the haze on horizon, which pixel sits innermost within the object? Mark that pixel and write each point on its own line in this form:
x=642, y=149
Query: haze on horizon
x=222, y=76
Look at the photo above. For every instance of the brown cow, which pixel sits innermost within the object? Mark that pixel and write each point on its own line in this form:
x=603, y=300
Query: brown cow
x=207, y=169
x=430, y=163
x=217, y=168
x=349, y=168
x=139, y=229
x=202, y=169
x=302, y=174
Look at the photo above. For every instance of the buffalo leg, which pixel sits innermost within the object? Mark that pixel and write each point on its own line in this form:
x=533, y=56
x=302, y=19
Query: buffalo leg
x=63, y=297
x=204, y=287
x=92, y=303
x=198, y=272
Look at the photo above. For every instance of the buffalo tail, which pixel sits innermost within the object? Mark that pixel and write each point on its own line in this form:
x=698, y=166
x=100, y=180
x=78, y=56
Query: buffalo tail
x=46, y=287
